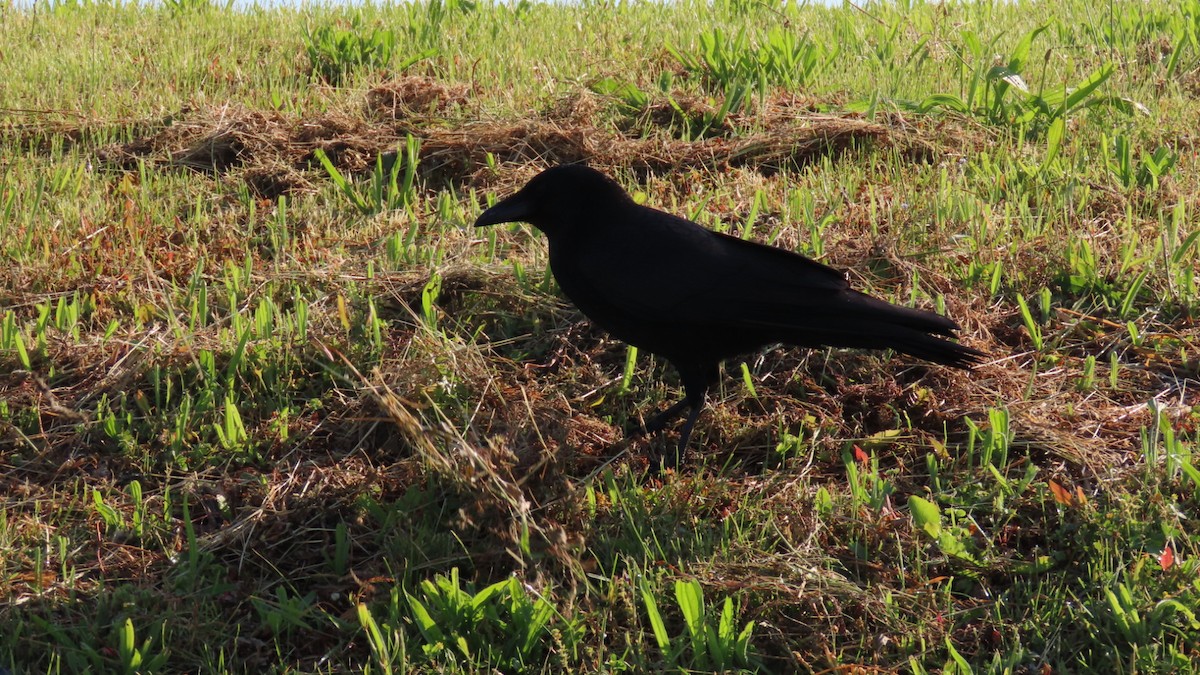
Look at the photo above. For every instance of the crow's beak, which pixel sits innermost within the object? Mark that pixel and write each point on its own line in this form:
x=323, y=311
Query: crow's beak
x=508, y=210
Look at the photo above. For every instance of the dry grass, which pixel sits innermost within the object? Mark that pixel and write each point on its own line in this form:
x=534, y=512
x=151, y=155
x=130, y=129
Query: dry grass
x=273, y=152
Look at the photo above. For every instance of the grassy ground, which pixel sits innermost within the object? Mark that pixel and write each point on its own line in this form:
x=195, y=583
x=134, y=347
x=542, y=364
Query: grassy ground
x=269, y=404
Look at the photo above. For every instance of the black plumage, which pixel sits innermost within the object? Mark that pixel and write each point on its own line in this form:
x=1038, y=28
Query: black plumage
x=696, y=297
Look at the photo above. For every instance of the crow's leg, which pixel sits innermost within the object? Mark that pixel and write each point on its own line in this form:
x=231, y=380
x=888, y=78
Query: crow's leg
x=696, y=380
x=685, y=434
x=659, y=421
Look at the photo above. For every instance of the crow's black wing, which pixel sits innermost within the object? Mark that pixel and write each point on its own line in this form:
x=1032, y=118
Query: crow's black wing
x=660, y=281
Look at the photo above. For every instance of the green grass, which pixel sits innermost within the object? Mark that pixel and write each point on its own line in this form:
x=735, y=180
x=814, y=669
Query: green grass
x=268, y=403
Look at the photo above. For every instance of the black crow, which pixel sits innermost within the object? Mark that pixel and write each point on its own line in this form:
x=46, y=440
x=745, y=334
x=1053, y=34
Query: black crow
x=696, y=297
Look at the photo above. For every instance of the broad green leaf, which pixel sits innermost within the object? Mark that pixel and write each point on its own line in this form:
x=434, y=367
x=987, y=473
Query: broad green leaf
x=926, y=515
x=425, y=622
x=1054, y=136
x=948, y=101
x=656, y=622
x=1021, y=52
x=486, y=594
x=691, y=602
x=1088, y=86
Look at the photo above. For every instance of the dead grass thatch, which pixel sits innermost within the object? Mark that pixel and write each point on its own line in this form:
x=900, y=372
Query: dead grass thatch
x=273, y=152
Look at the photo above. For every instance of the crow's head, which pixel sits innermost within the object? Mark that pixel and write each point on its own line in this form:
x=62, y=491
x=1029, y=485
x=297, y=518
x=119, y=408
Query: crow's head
x=559, y=198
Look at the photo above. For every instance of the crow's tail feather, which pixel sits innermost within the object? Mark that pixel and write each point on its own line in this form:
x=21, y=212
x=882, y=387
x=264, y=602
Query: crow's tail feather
x=936, y=349
x=914, y=332
x=858, y=320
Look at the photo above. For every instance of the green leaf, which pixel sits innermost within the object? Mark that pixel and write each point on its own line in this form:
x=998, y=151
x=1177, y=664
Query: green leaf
x=460, y=641
x=1088, y=86
x=1039, y=565
x=1168, y=606
x=1035, y=332
x=1131, y=294
x=419, y=56
x=1020, y=53
x=22, y=354
x=542, y=613
x=108, y=514
x=947, y=101
x=375, y=637
x=690, y=597
x=425, y=622
x=725, y=626
x=1187, y=243
x=360, y=203
x=235, y=360
x=1054, y=136
x=656, y=622
x=486, y=594
x=880, y=440
x=623, y=90
x=743, y=641
x=691, y=601
x=748, y=380
x=1177, y=52
x=960, y=663
x=926, y=515
x=631, y=354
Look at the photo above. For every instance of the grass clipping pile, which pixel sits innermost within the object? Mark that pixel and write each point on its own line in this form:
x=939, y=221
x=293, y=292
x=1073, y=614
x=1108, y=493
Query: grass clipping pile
x=274, y=152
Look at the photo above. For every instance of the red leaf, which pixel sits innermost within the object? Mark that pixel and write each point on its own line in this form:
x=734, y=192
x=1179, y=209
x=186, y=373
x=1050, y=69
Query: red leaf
x=862, y=457
x=1061, y=495
x=1167, y=558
